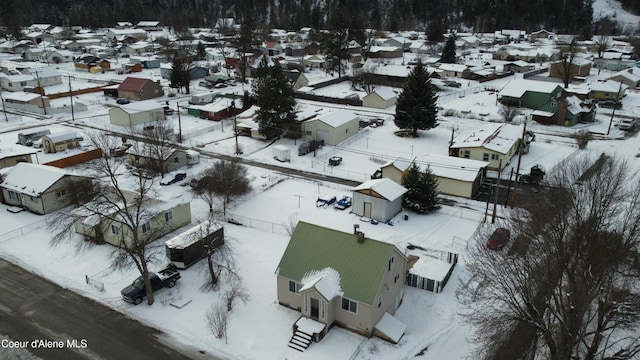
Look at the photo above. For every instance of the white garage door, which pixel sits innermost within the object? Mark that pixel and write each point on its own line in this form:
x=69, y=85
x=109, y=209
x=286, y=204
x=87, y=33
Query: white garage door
x=323, y=135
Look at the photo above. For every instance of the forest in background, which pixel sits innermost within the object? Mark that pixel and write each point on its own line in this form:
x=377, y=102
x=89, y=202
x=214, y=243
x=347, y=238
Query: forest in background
x=564, y=16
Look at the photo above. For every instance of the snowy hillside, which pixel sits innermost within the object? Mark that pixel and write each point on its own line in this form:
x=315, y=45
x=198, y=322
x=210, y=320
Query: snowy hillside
x=612, y=9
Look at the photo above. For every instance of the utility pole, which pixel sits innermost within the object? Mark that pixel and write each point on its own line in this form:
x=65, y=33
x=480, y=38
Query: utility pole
x=73, y=117
x=179, y=123
x=3, y=108
x=515, y=184
x=235, y=132
x=495, y=202
x=40, y=91
x=614, y=107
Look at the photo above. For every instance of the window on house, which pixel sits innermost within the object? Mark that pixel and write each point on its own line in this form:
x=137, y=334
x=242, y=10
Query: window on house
x=466, y=154
x=554, y=103
x=485, y=157
x=115, y=230
x=294, y=287
x=168, y=216
x=60, y=193
x=32, y=199
x=146, y=227
x=308, y=133
x=13, y=196
x=390, y=263
x=379, y=301
x=495, y=157
x=350, y=306
x=346, y=131
x=396, y=278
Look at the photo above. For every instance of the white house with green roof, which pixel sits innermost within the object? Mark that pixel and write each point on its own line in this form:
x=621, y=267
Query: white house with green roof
x=339, y=278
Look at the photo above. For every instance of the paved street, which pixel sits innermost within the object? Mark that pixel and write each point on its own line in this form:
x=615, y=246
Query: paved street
x=32, y=308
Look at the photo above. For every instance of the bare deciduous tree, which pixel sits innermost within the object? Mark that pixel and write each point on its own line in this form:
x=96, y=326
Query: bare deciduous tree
x=565, y=65
x=117, y=207
x=226, y=180
x=236, y=291
x=567, y=287
x=509, y=112
x=155, y=146
x=218, y=320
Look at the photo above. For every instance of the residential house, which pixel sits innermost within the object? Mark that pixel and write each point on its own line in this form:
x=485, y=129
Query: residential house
x=171, y=161
x=136, y=113
x=518, y=66
x=386, y=52
x=578, y=67
x=541, y=35
x=456, y=176
x=270, y=48
x=607, y=90
x=494, y=143
x=35, y=54
x=14, y=154
x=380, y=98
x=158, y=218
x=87, y=61
x=455, y=70
x=26, y=101
x=39, y=188
x=138, y=89
x=532, y=94
x=314, y=61
x=56, y=142
x=120, y=34
x=340, y=278
x=31, y=78
x=378, y=199
x=627, y=77
x=219, y=109
x=58, y=56
x=297, y=78
x=148, y=25
x=331, y=128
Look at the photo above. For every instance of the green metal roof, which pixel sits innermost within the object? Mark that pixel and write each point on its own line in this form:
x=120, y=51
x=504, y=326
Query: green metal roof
x=360, y=265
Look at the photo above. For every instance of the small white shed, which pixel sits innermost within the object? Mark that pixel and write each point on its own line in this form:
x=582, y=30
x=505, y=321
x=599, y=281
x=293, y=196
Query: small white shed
x=281, y=153
x=378, y=199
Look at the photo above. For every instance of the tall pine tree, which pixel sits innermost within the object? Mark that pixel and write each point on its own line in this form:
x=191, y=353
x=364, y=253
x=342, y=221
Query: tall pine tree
x=422, y=190
x=416, y=106
x=274, y=97
x=449, y=51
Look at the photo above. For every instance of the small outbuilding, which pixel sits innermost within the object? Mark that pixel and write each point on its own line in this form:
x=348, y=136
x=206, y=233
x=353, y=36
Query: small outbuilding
x=378, y=199
x=137, y=113
x=191, y=246
x=331, y=128
x=381, y=98
x=53, y=143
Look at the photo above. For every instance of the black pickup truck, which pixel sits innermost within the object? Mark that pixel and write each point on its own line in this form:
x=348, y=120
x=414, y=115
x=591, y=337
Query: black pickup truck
x=136, y=292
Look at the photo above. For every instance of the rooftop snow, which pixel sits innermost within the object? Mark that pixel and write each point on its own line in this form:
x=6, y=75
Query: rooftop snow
x=326, y=281
x=517, y=88
x=387, y=188
x=32, y=179
x=493, y=136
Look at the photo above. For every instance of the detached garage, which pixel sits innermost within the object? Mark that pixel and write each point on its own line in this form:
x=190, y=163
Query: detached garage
x=378, y=199
x=137, y=113
x=332, y=128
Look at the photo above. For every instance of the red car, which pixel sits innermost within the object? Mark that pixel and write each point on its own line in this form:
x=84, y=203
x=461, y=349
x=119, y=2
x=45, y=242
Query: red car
x=498, y=239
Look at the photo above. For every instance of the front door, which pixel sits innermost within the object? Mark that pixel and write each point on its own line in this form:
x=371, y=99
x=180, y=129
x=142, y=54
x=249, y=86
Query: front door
x=315, y=308
x=367, y=210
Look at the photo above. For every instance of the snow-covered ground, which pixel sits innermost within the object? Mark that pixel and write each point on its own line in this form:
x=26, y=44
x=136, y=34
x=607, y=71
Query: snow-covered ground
x=260, y=328
x=609, y=8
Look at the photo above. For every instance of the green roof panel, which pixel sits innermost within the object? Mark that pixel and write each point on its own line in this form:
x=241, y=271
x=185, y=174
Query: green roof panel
x=360, y=265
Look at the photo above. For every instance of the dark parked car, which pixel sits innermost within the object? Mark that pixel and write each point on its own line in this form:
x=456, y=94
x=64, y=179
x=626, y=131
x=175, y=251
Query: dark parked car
x=172, y=179
x=498, y=239
x=135, y=293
x=610, y=104
x=123, y=101
x=335, y=160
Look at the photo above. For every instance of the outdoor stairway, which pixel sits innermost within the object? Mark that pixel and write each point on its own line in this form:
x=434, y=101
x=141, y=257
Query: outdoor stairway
x=300, y=341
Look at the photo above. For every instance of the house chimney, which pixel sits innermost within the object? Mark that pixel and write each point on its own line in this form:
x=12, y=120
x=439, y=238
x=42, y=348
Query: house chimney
x=359, y=234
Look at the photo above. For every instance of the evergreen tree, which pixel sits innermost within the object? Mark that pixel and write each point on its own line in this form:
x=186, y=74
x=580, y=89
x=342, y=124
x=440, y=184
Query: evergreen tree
x=274, y=97
x=201, y=52
x=416, y=105
x=449, y=51
x=422, y=190
x=177, y=76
